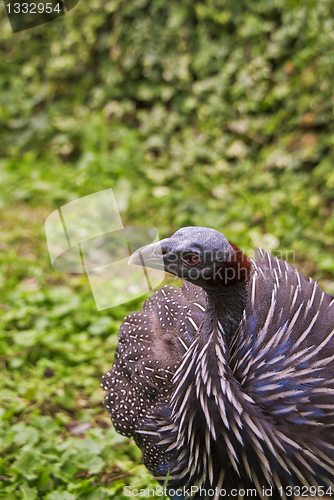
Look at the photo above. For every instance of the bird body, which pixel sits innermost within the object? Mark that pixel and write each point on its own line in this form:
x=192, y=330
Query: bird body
x=228, y=382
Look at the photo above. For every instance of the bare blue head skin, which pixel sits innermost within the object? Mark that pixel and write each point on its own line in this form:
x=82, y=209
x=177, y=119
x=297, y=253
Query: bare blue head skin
x=200, y=255
x=207, y=259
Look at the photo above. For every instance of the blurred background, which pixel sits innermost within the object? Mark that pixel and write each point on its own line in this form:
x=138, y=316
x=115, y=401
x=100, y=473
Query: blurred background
x=216, y=113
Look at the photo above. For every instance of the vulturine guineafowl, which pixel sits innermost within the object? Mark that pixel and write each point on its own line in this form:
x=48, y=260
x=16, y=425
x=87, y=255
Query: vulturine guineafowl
x=228, y=382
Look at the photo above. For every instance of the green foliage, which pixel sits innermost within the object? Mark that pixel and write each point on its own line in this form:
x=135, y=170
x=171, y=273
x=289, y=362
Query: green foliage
x=215, y=113
x=56, y=439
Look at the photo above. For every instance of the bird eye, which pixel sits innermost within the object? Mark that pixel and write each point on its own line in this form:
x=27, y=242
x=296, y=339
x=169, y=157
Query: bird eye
x=191, y=258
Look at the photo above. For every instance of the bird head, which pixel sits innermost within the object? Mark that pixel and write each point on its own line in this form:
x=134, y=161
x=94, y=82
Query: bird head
x=200, y=255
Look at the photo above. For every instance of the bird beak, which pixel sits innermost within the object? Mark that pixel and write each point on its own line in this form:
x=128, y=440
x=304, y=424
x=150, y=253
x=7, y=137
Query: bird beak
x=149, y=256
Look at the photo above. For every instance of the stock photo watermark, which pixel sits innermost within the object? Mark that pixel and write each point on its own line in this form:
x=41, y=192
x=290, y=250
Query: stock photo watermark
x=87, y=236
x=24, y=15
x=189, y=492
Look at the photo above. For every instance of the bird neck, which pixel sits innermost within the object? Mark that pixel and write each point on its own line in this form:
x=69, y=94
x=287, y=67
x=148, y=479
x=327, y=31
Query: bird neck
x=225, y=306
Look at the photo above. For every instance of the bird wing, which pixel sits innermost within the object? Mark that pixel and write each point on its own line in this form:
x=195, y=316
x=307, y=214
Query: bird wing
x=151, y=345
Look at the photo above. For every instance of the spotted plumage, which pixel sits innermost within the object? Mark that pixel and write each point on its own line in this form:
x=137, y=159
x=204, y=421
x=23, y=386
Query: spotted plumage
x=230, y=384
x=147, y=356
